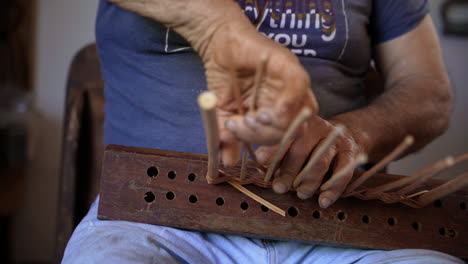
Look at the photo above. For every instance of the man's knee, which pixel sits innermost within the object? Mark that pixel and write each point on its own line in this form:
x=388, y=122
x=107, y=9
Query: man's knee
x=115, y=245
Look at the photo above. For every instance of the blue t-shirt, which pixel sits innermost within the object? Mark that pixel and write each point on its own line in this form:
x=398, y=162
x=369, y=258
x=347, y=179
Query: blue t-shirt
x=153, y=77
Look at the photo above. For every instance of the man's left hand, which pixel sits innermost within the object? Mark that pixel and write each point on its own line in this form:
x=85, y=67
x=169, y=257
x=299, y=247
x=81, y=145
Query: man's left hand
x=343, y=151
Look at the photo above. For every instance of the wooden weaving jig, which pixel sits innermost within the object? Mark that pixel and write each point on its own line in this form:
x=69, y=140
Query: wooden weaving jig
x=169, y=188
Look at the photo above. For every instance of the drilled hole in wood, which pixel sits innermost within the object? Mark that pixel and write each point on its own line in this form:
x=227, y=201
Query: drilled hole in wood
x=220, y=201
x=365, y=219
x=341, y=216
x=193, y=198
x=451, y=233
x=149, y=197
x=192, y=177
x=416, y=226
x=171, y=175
x=316, y=214
x=293, y=211
x=438, y=203
x=442, y=231
x=170, y=195
x=463, y=206
x=152, y=171
x=391, y=221
x=264, y=208
x=244, y=206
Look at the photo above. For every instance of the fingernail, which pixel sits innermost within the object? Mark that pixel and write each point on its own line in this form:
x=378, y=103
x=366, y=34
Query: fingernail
x=324, y=202
x=279, y=188
x=250, y=121
x=264, y=118
x=261, y=157
x=230, y=124
x=303, y=196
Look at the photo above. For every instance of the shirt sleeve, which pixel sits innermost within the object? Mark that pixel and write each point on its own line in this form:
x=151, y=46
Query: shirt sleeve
x=393, y=18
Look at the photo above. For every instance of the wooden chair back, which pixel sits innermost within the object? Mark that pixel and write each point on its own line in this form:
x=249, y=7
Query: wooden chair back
x=82, y=145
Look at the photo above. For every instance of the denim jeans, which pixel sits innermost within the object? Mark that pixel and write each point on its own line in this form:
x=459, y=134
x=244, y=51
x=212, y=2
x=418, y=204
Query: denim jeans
x=106, y=241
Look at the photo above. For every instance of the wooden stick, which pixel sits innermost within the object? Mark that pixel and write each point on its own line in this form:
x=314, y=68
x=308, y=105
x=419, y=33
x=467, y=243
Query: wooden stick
x=449, y=162
x=451, y=186
x=252, y=153
x=237, y=93
x=358, y=161
x=207, y=103
x=252, y=107
x=461, y=158
x=403, y=146
x=434, y=168
x=240, y=110
x=303, y=115
x=318, y=153
x=257, y=198
x=415, y=194
x=260, y=71
x=257, y=81
x=243, y=164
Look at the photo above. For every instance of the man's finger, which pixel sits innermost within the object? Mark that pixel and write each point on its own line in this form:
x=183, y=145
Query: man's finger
x=307, y=189
x=289, y=101
x=331, y=194
x=311, y=182
x=230, y=153
x=292, y=164
x=265, y=154
x=230, y=146
x=253, y=132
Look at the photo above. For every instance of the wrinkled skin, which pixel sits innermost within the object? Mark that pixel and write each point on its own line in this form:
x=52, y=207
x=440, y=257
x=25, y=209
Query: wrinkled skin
x=283, y=91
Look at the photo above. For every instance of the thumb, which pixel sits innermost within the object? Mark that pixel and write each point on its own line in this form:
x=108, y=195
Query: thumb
x=230, y=146
x=288, y=103
x=230, y=153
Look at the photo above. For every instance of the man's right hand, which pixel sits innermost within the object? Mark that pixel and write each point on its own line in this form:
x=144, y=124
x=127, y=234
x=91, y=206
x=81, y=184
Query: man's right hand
x=233, y=57
x=231, y=50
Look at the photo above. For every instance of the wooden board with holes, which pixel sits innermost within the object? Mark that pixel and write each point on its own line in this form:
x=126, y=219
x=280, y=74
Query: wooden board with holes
x=169, y=188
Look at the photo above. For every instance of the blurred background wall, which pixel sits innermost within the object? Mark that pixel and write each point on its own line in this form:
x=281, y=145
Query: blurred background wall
x=64, y=26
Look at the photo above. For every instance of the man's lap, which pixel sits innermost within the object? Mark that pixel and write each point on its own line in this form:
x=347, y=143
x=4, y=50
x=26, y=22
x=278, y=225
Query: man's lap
x=101, y=241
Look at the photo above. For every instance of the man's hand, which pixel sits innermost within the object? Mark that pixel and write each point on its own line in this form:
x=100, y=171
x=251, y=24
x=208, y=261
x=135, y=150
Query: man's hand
x=417, y=101
x=342, y=152
x=234, y=58
x=231, y=50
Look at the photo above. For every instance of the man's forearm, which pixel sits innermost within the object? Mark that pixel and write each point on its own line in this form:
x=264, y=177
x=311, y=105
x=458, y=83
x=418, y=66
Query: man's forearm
x=195, y=20
x=418, y=105
x=417, y=98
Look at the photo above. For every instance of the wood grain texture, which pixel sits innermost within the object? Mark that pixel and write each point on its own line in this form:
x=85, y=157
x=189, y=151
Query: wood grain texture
x=182, y=201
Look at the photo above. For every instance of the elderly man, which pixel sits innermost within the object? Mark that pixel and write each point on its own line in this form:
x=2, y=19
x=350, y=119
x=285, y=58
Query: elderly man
x=158, y=55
